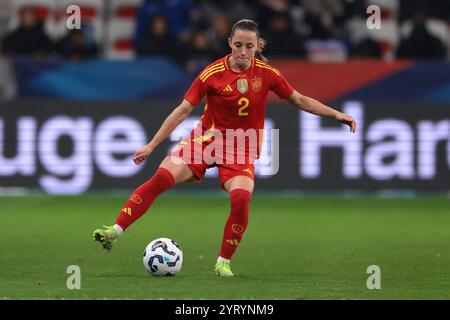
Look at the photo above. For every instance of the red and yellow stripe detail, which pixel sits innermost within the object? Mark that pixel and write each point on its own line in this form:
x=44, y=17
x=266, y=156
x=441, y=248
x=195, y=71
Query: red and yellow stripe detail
x=228, y=88
x=263, y=65
x=127, y=211
x=226, y=61
x=219, y=67
x=233, y=242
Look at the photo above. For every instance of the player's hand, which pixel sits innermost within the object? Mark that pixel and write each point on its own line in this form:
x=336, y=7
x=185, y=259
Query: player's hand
x=141, y=154
x=348, y=120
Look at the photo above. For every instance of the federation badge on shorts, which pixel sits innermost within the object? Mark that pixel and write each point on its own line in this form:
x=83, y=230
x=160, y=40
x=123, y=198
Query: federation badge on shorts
x=257, y=84
x=242, y=85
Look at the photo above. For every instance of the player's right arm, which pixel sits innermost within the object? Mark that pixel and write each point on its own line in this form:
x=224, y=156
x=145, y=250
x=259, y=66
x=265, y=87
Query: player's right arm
x=192, y=97
x=172, y=121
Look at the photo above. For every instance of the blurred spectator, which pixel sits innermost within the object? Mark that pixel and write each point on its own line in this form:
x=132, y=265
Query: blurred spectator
x=219, y=34
x=181, y=15
x=366, y=48
x=77, y=46
x=354, y=8
x=410, y=8
x=325, y=18
x=234, y=9
x=159, y=41
x=280, y=37
x=421, y=44
x=199, y=53
x=29, y=39
x=439, y=9
x=266, y=9
x=4, y=13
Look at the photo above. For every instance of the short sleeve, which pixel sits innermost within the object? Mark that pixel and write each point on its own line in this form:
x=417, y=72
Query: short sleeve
x=196, y=92
x=281, y=86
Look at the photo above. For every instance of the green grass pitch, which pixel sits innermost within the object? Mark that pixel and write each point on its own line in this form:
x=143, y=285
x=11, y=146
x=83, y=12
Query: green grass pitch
x=294, y=248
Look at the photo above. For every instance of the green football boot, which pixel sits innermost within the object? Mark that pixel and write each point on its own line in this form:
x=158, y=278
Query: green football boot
x=223, y=269
x=106, y=236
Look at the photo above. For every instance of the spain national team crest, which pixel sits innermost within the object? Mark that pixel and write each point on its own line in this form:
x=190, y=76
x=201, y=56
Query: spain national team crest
x=257, y=84
x=242, y=85
x=237, y=228
x=136, y=198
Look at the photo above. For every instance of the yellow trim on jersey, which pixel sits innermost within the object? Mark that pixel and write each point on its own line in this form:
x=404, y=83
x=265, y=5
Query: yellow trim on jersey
x=211, y=73
x=210, y=69
x=206, y=75
x=262, y=64
x=228, y=88
x=265, y=66
x=226, y=62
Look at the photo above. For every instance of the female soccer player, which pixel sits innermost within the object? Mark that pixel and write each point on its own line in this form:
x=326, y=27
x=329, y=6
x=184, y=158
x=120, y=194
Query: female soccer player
x=236, y=88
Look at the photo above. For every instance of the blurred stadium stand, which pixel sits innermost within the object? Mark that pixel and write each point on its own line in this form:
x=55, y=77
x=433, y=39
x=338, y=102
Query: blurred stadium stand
x=311, y=30
x=120, y=29
x=328, y=29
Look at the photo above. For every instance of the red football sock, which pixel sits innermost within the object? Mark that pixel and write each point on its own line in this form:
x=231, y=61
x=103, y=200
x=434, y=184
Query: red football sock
x=143, y=197
x=236, y=223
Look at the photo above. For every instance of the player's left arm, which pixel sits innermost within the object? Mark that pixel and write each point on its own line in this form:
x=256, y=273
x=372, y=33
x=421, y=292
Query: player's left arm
x=313, y=106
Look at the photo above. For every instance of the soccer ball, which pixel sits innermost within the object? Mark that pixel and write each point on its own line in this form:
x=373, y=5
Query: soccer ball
x=163, y=257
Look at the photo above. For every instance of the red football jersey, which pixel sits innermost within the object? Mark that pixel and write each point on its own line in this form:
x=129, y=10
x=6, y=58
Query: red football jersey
x=236, y=99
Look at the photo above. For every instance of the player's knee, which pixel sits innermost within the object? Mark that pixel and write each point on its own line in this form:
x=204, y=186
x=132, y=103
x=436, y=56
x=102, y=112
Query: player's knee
x=178, y=168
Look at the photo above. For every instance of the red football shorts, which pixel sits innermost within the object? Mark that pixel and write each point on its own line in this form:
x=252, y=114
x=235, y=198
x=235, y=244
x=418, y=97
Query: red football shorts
x=192, y=153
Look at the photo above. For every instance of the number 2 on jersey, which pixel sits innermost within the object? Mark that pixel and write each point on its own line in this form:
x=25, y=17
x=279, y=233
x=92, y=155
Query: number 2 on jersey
x=243, y=102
